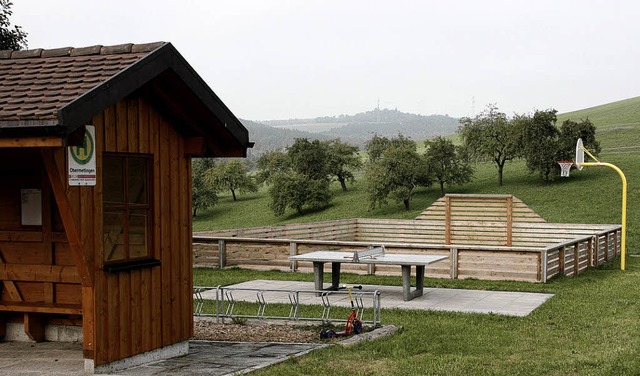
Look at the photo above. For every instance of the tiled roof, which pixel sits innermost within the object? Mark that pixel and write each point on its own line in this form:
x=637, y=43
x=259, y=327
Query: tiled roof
x=36, y=84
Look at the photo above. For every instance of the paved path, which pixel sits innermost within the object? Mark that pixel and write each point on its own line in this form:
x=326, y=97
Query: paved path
x=224, y=358
x=204, y=358
x=434, y=299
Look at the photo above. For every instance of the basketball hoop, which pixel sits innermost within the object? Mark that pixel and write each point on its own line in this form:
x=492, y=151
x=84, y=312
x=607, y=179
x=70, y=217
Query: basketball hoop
x=565, y=168
x=579, y=154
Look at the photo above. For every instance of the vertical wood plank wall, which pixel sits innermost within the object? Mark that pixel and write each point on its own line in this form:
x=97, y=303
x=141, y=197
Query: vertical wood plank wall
x=145, y=309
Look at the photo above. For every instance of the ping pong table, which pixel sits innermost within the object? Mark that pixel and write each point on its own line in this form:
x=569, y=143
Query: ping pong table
x=375, y=255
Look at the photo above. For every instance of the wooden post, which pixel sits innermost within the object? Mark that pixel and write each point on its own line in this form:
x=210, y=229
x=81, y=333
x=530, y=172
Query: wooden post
x=509, y=221
x=591, y=262
x=454, y=263
x=66, y=214
x=576, y=259
x=447, y=219
x=293, y=250
x=222, y=253
x=539, y=271
x=606, y=247
x=3, y=326
x=561, y=260
x=545, y=263
x=34, y=326
x=88, y=321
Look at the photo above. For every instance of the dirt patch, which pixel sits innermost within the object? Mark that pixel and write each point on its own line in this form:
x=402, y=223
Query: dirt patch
x=256, y=332
x=260, y=331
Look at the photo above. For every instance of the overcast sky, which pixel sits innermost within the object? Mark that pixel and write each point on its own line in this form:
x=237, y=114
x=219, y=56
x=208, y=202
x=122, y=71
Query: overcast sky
x=269, y=59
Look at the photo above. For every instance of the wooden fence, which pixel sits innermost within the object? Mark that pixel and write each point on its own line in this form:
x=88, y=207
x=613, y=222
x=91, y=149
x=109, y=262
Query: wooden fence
x=538, y=251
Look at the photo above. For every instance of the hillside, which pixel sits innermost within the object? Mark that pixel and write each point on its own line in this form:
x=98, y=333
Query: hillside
x=617, y=124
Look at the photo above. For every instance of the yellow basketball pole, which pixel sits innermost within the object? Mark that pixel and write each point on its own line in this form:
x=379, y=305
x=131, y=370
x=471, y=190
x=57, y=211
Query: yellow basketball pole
x=624, y=206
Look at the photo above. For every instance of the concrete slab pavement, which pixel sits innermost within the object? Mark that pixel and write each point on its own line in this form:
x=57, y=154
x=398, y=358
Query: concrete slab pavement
x=434, y=299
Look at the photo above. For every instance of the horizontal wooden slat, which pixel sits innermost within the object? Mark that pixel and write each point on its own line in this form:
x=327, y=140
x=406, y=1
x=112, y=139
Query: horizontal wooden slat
x=20, y=236
x=39, y=273
x=50, y=141
x=69, y=309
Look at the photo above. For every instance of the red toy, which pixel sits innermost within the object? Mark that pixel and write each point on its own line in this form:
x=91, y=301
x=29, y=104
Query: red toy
x=353, y=325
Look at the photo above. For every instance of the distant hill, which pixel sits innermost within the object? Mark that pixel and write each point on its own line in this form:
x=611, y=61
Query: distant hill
x=357, y=129
x=618, y=127
x=389, y=123
x=268, y=138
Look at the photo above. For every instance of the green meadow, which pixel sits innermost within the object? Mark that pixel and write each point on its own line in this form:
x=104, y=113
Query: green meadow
x=590, y=327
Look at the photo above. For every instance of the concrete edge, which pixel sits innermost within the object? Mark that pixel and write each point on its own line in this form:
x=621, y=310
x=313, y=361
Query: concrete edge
x=171, y=351
x=52, y=333
x=383, y=331
x=281, y=359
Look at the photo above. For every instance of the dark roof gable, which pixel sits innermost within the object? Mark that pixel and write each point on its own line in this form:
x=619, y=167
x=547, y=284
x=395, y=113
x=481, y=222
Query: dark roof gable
x=58, y=90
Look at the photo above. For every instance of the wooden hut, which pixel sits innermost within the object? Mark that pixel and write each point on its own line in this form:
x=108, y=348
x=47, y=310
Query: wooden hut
x=95, y=194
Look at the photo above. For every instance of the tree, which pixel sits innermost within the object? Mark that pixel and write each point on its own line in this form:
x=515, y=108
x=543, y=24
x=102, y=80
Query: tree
x=343, y=160
x=310, y=158
x=298, y=178
x=294, y=190
x=540, y=143
x=570, y=132
x=490, y=135
x=203, y=194
x=270, y=164
x=10, y=39
x=398, y=172
x=447, y=163
x=376, y=146
x=232, y=176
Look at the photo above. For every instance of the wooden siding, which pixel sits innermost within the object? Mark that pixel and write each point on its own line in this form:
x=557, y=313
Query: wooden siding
x=126, y=312
x=148, y=308
x=37, y=271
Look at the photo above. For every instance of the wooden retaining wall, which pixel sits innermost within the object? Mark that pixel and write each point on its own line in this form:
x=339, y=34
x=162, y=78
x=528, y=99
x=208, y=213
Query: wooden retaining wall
x=539, y=251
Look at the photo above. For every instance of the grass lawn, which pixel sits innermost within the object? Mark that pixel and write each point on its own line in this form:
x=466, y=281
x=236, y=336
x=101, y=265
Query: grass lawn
x=590, y=327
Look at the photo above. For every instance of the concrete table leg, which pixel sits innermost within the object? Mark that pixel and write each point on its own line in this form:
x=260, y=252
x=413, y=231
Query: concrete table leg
x=318, y=276
x=419, y=280
x=335, y=275
x=407, y=294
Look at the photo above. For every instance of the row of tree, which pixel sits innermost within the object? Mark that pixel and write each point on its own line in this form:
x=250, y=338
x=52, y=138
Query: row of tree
x=299, y=176
x=492, y=136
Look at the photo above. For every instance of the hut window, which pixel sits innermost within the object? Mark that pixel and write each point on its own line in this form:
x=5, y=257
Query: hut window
x=126, y=208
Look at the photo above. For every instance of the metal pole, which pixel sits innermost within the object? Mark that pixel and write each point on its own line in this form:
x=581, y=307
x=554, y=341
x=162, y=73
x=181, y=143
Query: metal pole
x=624, y=207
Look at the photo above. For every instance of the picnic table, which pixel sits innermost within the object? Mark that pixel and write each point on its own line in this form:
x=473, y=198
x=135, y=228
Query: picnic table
x=375, y=255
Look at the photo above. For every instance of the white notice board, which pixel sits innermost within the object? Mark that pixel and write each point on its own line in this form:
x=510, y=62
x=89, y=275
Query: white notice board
x=31, y=207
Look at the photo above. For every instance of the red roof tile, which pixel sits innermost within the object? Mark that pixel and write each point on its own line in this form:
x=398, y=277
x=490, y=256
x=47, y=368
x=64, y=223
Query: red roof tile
x=36, y=84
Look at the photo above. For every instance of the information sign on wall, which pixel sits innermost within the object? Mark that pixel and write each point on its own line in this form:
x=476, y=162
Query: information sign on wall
x=82, y=160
